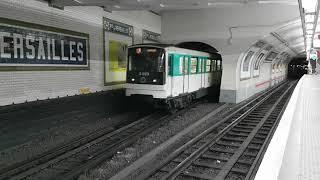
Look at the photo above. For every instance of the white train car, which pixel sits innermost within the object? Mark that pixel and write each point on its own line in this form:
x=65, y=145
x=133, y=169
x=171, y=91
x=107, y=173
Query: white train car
x=170, y=75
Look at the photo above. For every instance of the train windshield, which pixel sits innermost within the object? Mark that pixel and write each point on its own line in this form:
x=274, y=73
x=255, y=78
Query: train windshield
x=146, y=59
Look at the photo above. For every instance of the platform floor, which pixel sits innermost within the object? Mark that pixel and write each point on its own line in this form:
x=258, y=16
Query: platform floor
x=294, y=151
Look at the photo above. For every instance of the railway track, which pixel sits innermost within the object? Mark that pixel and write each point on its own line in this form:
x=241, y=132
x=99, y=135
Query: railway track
x=76, y=153
x=233, y=148
x=74, y=158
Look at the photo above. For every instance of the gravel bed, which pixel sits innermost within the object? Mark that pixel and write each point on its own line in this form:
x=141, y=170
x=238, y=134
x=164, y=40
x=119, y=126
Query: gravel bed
x=58, y=135
x=144, y=145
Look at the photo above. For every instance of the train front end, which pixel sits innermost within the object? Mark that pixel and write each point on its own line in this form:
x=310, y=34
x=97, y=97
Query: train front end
x=146, y=72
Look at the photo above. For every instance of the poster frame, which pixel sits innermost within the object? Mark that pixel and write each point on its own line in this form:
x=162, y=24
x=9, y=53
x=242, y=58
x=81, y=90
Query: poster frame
x=104, y=31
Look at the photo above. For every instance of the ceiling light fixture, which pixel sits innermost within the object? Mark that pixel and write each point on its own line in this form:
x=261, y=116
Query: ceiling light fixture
x=309, y=18
x=309, y=11
x=309, y=5
x=162, y=5
x=78, y=1
x=309, y=26
x=117, y=6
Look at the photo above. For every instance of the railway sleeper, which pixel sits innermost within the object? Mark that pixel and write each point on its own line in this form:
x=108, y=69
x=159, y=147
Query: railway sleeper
x=243, y=127
x=250, y=124
x=214, y=157
x=196, y=175
x=207, y=165
x=253, y=147
x=251, y=154
x=235, y=129
x=228, y=144
x=237, y=134
x=267, y=125
x=255, y=116
x=221, y=150
x=257, y=142
x=240, y=171
x=262, y=133
x=252, y=121
x=245, y=162
x=236, y=139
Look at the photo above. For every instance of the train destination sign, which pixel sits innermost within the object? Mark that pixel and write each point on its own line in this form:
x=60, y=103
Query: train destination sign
x=22, y=46
x=151, y=36
x=117, y=27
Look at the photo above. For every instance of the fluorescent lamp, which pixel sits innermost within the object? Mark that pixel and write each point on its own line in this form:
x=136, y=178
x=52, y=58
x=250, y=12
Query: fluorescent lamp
x=309, y=26
x=309, y=32
x=309, y=18
x=78, y=1
x=309, y=35
x=309, y=5
x=308, y=47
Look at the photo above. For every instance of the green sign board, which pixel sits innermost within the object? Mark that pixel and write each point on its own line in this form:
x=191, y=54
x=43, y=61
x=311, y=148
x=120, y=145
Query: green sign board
x=28, y=46
x=117, y=27
x=148, y=35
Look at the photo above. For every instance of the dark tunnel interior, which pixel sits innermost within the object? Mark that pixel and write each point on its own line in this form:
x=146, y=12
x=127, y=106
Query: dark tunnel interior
x=297, y=68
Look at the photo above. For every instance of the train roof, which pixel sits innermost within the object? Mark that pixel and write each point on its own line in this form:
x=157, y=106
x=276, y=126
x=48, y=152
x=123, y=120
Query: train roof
x=197, y=47
x=214, y=55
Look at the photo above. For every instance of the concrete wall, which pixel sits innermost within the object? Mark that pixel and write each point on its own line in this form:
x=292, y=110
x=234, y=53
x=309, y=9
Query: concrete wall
x=21, y=86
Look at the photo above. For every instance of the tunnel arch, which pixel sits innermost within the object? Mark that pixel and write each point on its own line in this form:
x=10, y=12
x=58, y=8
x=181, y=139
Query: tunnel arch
x=199, y=46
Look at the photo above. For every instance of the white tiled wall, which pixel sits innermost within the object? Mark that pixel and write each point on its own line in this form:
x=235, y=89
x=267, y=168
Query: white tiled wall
x=21, y=86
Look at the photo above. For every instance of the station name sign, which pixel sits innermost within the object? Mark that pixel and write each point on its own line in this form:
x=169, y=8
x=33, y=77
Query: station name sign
x=117, y=27
x=30, y=45
x=151, y=36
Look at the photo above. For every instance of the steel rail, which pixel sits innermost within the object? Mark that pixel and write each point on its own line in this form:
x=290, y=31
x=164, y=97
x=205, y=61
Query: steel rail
x=196, y=154
x=233, y=112
x=44, y=160
x=105, y=154
x=228, y=166
x=255, y=165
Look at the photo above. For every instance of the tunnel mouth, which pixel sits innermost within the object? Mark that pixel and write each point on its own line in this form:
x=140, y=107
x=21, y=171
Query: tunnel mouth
x=298, y=67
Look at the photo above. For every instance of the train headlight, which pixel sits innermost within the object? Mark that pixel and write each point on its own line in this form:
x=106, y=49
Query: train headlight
x=154, y=80
x=132, y=79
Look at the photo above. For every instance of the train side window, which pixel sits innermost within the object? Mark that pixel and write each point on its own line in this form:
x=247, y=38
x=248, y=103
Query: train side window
x=213, y=65
x=186, y=65
x=219, y=67
x=208, y=65
x=203, y=64
x=181, y=64
x=200, y=60
x=193, y=65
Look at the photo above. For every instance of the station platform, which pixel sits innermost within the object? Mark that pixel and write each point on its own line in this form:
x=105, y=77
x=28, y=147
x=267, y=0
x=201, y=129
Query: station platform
x=294, y=151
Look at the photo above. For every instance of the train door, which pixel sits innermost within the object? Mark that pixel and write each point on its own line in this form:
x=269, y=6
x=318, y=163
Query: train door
x=207, y=74
x=202, y=74
x=185, y=74
x=170, y=73
x=177, y=81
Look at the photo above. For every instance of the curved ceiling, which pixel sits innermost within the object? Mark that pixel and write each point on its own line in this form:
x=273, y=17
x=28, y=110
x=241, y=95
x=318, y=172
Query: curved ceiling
x=288, y=33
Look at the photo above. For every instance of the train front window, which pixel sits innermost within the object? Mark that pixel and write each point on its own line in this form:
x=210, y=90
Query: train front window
x=146, y=59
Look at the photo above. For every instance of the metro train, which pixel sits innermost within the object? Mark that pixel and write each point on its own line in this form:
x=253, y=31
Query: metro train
x=171, y=77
